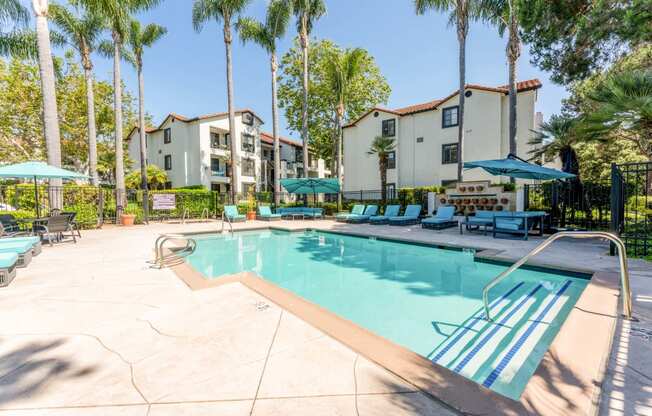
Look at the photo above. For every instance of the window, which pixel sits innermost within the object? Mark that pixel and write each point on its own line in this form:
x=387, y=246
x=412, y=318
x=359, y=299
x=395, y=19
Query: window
x=449, y=117
x=168, y=162
x=448, y=183
x=248, y=143
x=216, y=170
x=391, y=190
x=419, y=139
x=449, y=153
x=168, y=185
x=391, y=160
x=215, y=140
x=167, y=136
x=389, y=127
x=248, y=167
x=248, y=119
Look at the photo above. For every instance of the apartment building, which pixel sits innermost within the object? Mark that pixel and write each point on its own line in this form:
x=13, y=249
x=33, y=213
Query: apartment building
x=426, y=137
x=196, y=151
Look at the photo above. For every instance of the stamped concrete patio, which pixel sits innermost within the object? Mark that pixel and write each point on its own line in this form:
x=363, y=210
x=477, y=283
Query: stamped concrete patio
x=91, y=329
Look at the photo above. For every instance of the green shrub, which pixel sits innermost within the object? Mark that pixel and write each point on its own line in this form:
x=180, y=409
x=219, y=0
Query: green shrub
x=19, y=214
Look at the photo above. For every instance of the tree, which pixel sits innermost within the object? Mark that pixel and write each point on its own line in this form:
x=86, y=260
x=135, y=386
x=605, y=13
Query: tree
x=82, y=33
x=575, y=39
x=382, y=147
x=366, y=91
x=265, y=35
x=155, y=176
x=16, y=41
x=307, y=12
x=341, y=70
x=460, y=14
x=223, y=11
x=118, y=16
x=557, y=138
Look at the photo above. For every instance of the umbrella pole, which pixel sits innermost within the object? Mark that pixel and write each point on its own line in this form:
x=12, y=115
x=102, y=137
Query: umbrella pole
x=38, y=207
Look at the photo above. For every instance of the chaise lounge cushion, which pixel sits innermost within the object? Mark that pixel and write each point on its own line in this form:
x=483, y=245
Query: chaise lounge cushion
x=390, y=211
x=8, y=260
x=357, y=209
x=410, y=216
x=231, y=212
x=265, y=213
x=369, y=212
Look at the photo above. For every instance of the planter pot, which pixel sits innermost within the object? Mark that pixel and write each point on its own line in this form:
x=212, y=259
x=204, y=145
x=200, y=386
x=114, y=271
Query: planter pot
x=251, y=215
x=490, y=207
x=462, y=188
x=504, y=200
x=494, y=201
x=484, y=201
x=450, y=201
x=479, y=188
x=471, y=188
x=127, y=219
x=443, y=200
x=475, y=200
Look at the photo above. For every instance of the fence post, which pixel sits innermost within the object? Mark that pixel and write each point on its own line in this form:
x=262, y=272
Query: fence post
x=100, y=207
x=526, y=197
x=146, y=205
x=615, y=205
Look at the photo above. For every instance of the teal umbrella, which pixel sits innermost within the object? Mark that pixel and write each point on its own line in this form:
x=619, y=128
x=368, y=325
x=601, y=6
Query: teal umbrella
x=515, y=167
x=311, y=185
x=37, y=170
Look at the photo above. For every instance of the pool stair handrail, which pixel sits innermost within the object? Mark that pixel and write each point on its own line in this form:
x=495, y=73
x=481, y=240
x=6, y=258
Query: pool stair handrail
x=228, y=220
x=622, y=256
x=159, y=260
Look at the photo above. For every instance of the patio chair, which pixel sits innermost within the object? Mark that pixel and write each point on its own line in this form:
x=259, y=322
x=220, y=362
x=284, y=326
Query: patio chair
x=22, y=249
x=231, y=213
x=9, y=223
x=390, y=211
x=55, y=227
x=8, y=264
x=265, y=214
x=369, y=211
x=441, y=220
x=409, y=217
x=357, y=209
x=482, y=219
x=22, y=236
x=73, y=221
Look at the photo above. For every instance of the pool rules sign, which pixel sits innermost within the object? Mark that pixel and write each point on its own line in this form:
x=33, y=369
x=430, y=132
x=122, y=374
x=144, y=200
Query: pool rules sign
x=164, y=201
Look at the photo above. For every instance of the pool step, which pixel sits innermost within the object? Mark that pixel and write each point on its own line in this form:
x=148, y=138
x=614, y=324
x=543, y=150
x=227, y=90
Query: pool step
x=491, y=353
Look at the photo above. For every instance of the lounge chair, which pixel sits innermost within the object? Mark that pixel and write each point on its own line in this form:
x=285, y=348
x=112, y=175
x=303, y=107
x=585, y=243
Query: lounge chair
x=291, y=212
x=482, y=219
x=22, y=236
x=357, y=209
x=9, y=223
x=72, y=215
x=231, y=214
x=369, y=212
x=390, y=211
x=265, y=214
x=441, y=220
x=55, y=227
x=8, y=262
x=409, y=217
x=23, y=249
x=520, y=222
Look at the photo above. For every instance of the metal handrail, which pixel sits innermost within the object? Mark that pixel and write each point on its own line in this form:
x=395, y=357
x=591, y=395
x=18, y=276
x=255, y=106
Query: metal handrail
x=204, y=211
x=622, y=256
x=185, y=215
x=191, y=245
x=228, y=221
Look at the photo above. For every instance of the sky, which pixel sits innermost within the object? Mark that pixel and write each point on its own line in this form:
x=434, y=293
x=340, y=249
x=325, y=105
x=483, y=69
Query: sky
x=185, y=72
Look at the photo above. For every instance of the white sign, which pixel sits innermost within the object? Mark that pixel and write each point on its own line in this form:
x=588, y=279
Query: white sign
x=165, y=201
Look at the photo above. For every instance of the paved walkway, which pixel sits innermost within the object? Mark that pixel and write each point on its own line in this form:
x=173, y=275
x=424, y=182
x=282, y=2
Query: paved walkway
x=90, y=329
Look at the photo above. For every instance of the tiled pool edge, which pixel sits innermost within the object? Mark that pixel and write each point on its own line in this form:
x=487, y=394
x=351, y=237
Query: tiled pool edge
x=566, y=382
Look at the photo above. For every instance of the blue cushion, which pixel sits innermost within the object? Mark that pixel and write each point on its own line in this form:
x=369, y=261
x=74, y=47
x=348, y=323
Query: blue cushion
x=8, y=260
x=31, y=240
x=15, y=246
x=392, y=210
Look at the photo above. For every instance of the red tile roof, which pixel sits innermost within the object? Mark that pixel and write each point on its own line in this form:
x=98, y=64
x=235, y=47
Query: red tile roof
x=269, y=139
x=531, y=84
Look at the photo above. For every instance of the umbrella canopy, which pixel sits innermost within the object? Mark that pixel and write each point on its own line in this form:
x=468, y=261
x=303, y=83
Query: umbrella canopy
x=518, y=168
x=311, y=185
x=40, y=170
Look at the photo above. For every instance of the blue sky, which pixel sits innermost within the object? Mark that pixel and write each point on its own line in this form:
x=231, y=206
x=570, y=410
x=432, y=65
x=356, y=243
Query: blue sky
x=185, y=71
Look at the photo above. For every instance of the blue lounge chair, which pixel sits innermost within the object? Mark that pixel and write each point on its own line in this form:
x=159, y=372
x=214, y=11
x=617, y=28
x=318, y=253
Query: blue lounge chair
x=22, y=236
x=390, y=211
x=369, y=212
x=289, y=212
x=265, y=214
x=357, y=209
x=8, y=263
x=520, y=222
x=482, y=219
x=442, y=219
x=231, y=213
x=23, y=249
x=409, y=217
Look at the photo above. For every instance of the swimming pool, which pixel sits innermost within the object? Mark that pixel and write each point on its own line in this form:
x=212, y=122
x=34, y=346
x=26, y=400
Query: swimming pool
x=426, y=299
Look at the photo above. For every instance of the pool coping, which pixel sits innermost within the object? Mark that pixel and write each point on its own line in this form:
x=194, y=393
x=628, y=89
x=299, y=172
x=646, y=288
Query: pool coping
x=566, y=382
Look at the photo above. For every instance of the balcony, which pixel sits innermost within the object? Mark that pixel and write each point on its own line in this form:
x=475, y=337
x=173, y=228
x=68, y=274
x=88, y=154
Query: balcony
x=221, y=176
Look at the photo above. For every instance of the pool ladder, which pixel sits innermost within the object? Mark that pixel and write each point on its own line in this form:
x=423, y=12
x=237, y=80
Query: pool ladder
x=160, y=258
x=622, y=256
x=228, y=221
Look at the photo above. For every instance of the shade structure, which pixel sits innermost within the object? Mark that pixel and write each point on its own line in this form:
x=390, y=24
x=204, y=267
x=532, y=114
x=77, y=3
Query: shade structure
x=37, y=170
x=517, y=168
x=311, y=185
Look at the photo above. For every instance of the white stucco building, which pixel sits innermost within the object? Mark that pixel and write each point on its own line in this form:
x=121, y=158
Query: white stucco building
x=196, y=151
x=426, y=137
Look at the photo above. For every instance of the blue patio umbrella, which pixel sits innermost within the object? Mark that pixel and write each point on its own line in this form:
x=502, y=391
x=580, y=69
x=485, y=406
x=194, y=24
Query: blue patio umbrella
x=311, y=185
x=38, y=170
x=515, y=167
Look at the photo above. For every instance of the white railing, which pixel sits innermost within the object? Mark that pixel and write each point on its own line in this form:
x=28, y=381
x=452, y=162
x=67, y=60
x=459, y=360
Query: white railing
x=159, y=260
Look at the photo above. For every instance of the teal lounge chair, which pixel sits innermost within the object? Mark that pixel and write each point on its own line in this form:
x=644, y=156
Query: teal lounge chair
x=482, y=219
x=22, y=236
x=369, y=212
x=357, y=209
x=265, y=214
x=441, y=220
x=409, y=217
x=8, y=263
x=390, y=211
x=231, y=213
x=23, y=249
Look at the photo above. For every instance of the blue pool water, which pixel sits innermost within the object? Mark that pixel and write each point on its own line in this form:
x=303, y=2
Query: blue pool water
x=424, y=298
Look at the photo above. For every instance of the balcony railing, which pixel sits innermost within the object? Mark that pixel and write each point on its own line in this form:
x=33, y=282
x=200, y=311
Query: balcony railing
x=220, y=173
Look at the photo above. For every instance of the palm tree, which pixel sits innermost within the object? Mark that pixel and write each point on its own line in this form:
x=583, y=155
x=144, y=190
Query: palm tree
x=82, y=33
x=557, y=138
x=265, y=34
x=118, y=16
x=223, y=11
x=382, y=147
x=307, y=12
x=139, y=38
x=342, y=69
x=460, y=13
x=17, y=41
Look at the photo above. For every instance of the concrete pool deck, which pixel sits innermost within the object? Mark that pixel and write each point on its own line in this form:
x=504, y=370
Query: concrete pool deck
x=90, y=329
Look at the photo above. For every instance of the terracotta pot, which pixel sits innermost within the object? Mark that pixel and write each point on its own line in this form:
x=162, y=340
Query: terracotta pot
x=499, y=207
x=251, y=215
x=127, y=219
x=443, y=200
x=471, y=208
x=490, y=207
x=471, y=188
x=484, y=200
x=494, y=201
x=479, y=188
x=450, y=201
x=504, y=200
x=467, y=201
x=462, y=188
x=475, y=200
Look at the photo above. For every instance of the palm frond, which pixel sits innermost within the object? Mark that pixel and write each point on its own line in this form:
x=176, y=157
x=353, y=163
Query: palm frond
x=251, y=30
x=278, y=17
x=12, y=11
x=153, y=33
x=423, y=6
x=19, y=43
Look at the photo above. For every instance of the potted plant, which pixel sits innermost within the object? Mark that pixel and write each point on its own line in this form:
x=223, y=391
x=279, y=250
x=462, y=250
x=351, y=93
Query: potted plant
x=462, y=188
x=479, y=188
x=128, y=216
x=471, y=188
x=504, y=200
x=251, y=206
